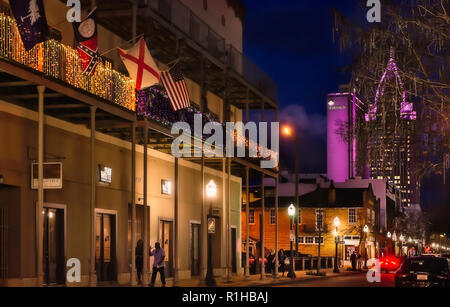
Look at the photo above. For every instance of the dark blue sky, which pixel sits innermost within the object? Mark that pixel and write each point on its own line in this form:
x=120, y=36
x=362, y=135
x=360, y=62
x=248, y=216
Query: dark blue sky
x=292, y=41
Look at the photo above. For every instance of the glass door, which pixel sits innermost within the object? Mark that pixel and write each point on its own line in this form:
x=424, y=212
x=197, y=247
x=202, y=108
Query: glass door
x=54, y=258
x=166, y=241
x=195, y=249
x=105, y=247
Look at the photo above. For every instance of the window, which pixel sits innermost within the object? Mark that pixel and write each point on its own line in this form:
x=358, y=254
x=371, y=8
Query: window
x=352, y=216
x=319, y=219
x=301, y=240
x=309, y=240
x=251, y=216
x=273, y=217
x=205, y=4
x=316, y=240
x=223, y=21
x=299, y=216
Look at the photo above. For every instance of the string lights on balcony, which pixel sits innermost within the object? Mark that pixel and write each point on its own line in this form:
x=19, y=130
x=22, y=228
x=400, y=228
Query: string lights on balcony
x=61, y=62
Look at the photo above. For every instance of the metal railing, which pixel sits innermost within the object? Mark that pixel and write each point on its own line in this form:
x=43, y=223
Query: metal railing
x=61, y=62
x=185, y=20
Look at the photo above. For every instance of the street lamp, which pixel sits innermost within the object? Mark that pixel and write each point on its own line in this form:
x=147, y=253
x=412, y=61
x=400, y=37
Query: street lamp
x=211, y=191
x=291, y=213
x=290, y=132
x=389, y=235
x=337, y=223
x=366, y=231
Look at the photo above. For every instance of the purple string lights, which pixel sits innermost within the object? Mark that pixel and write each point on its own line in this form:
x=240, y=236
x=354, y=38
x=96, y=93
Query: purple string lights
x=406, y=108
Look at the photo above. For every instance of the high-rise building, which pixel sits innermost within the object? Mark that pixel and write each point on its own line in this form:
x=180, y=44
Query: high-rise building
x=391, y=121
x=343, y=111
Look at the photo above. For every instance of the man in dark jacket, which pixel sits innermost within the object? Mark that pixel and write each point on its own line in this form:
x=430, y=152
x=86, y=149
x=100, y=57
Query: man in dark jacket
x=353, y=260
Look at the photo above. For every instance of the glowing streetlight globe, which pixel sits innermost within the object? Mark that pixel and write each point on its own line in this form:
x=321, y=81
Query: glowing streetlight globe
x=394, y=237
x=287, y=130
x=337, y=222
x=291, y=210
x=366, y=229
x=402, y=238
x=433, y=245
x=211, y=189
x=389, y=235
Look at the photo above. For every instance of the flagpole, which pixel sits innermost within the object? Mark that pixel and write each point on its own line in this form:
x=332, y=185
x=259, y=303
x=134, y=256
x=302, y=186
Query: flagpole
x=127, y=42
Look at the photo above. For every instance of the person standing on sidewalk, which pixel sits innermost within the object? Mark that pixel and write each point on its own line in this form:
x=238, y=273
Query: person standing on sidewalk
x=281, y=258
x=139, y=260
x=158, y=264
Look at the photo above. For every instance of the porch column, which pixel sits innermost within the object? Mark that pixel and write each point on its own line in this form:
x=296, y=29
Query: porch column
x=229, y=278
x=92, y=273
x=40, y=217
x=276, y=228
x=262, y=227
x=133, y=281
x=146, y=220
x=175, y=250
x=203, y=229
x=247, y=213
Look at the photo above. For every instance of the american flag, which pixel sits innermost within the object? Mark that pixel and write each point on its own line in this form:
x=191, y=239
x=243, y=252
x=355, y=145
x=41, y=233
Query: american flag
x=175, y=86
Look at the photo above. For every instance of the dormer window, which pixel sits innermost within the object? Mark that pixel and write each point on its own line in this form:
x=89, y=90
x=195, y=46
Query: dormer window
x=223, y=21
x=205, y=4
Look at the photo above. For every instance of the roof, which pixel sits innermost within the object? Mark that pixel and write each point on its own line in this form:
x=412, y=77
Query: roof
x=322, y=198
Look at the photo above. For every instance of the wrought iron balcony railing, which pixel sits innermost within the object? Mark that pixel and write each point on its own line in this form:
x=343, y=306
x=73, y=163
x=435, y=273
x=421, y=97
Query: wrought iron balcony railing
x=61, y=62
x=184, y=19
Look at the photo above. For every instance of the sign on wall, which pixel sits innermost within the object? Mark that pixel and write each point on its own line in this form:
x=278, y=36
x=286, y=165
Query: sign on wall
x=166, y=187
x=105, y=174
x=52, y=176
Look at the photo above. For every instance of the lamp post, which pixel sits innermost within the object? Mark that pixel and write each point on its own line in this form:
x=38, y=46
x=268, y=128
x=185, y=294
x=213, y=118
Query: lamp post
x=290, y=132
x=402, y=238
x=291, y=212
x=337, y=223
x=366, y=231
x=389, y=236
x=211, y=191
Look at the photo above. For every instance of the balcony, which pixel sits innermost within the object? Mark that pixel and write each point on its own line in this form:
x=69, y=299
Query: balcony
x=55, y=61
x=182, y=17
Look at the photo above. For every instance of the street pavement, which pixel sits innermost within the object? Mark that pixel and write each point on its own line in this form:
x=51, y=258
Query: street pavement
x=354, y=280
x=342, y=279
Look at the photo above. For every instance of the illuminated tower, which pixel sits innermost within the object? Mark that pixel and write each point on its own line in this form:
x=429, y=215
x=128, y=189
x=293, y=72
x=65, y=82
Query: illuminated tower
x=343, y=110
x=391, y=121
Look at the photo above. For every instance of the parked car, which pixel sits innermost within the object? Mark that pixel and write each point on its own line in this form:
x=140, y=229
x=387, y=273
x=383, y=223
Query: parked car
x=390, y=264
x=423, y=271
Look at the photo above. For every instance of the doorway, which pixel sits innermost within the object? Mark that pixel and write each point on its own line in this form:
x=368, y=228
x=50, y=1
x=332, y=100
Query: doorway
x=166, y=241
x=105, y=246
x=195, y=249
x=53, y=250
x=233, y=250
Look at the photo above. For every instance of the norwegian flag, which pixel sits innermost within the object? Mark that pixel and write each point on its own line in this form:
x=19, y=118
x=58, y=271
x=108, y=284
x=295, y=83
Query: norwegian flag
x=175, y=86
x=87, y=46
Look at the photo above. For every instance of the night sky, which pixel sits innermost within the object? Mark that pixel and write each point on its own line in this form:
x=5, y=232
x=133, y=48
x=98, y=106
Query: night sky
x=292, y=42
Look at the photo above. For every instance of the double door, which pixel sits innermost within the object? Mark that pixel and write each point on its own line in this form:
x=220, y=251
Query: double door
x=105, y=247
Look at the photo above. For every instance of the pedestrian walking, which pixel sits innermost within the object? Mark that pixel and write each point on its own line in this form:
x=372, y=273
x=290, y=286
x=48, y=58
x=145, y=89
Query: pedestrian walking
x=158, y=264
x=281, y=260
x=139, y=250
x=353, y=260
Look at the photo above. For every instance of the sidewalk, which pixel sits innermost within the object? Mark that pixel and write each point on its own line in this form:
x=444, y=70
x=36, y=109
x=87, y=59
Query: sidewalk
x=255, y=281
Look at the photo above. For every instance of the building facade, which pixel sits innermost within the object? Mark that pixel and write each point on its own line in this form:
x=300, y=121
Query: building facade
x=86, y=165
x=355, y=208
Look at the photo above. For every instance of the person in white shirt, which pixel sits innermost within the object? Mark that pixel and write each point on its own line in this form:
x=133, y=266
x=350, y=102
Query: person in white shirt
x=158, y=264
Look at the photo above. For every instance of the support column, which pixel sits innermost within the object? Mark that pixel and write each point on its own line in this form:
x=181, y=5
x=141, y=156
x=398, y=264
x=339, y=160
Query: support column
x=40, y=217
x=276, y=229
x=203, y=231
x=229, y=278
x=93, y=169
x=176, y=257
x=262, y=228
x=133, y=281
x=247, y=228
x=146, y=221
